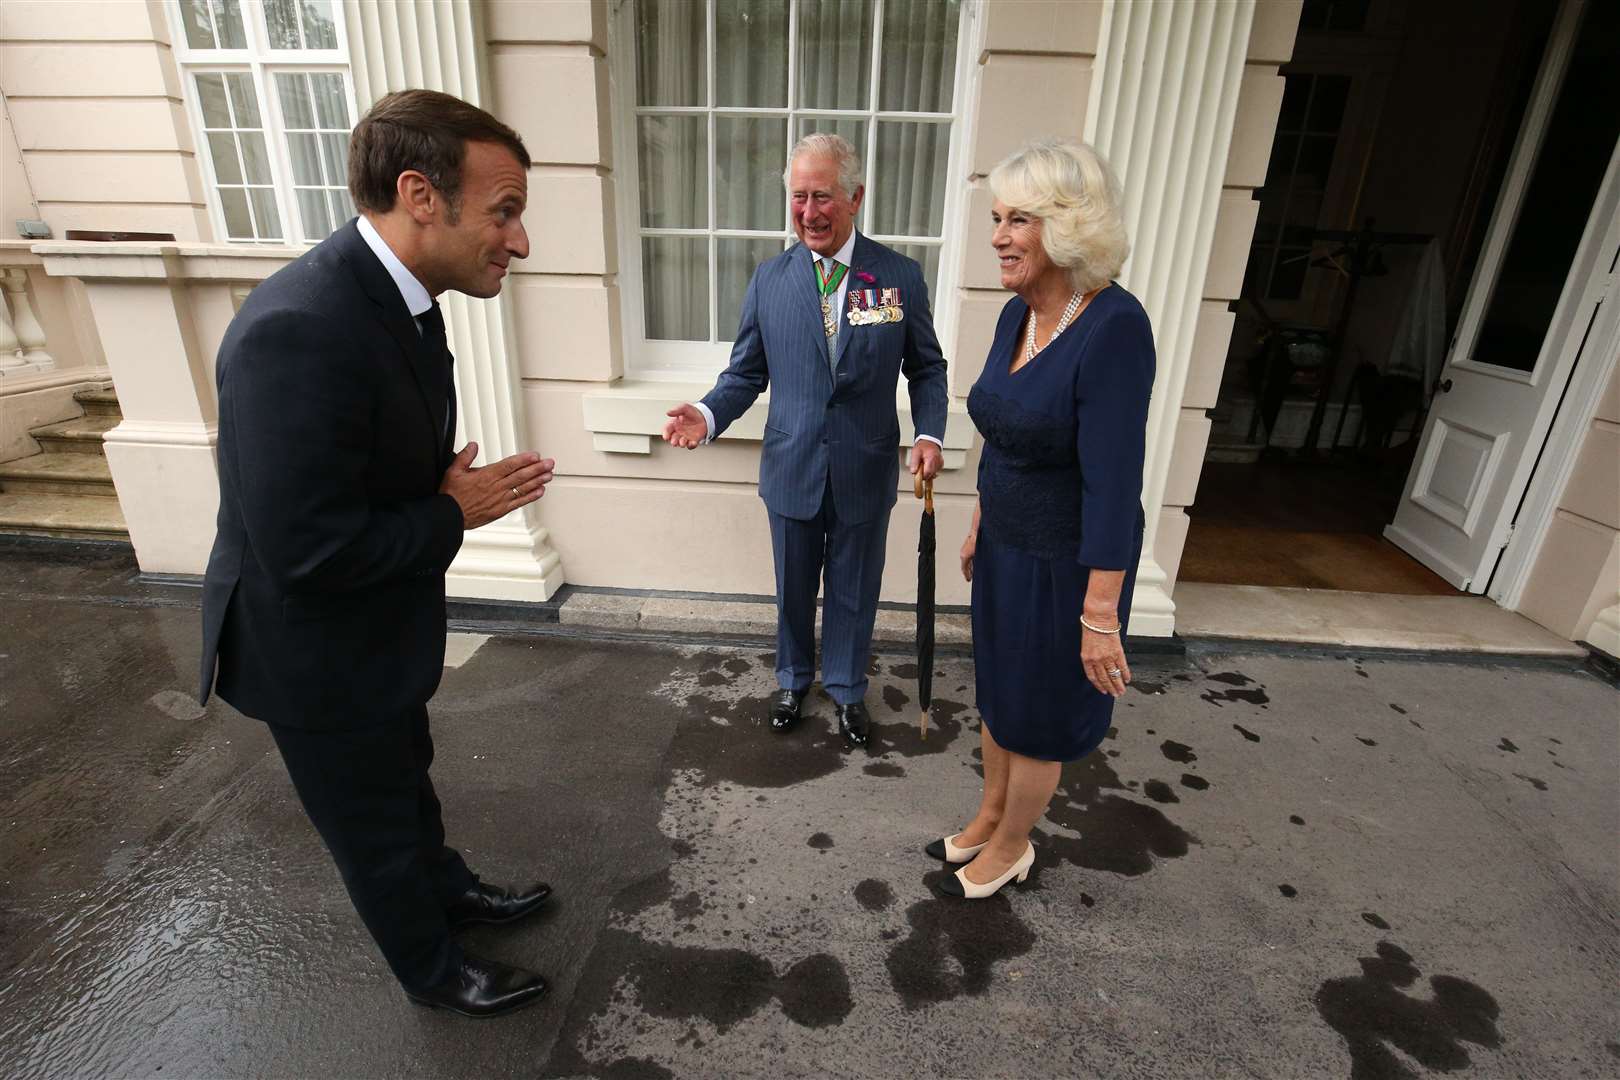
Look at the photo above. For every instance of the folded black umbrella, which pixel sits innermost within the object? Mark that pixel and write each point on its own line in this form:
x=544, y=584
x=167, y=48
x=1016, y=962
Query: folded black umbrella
x=925, y=601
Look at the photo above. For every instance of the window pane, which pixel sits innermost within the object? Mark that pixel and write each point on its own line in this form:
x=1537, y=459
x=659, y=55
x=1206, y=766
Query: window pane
x=306, y=158
x=238, y=223
x=671, y=53
x=222, y=148
x=919, y=55
x=199, y=29
x=228, y=24
x=244, y=101
x=928, y=255
x=835, y=53
x=735, y=261
x=751, y=53
x=282, y=17
x=296, y=108
x=265, y=212
x=211, y=96
x=255, y=159
x=330, y=108
x=320, y=32
x=335, y=159
x=339, y=204
x=312, y=212
x=675, y=277
x=749, y=153
x=907, y=185
x=1327, y=103
x=674, y=172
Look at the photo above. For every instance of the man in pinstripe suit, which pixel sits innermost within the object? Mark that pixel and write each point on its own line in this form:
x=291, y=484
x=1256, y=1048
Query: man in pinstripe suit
x=829, y=325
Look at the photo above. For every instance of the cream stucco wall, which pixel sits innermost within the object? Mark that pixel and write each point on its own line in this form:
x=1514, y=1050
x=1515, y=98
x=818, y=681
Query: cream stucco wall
x=94, y=96
x=1574, y=586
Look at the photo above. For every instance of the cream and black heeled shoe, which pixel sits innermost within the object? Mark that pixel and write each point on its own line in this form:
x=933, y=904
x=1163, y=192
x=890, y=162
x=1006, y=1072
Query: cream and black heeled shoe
x=946, y=851
x=959, y=885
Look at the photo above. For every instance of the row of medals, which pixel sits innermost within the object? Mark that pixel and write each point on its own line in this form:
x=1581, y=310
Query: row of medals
x=863, y=311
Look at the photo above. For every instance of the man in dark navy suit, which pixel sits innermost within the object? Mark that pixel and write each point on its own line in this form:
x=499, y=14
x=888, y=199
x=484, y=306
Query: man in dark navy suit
x=342, y=503
x=829, y=326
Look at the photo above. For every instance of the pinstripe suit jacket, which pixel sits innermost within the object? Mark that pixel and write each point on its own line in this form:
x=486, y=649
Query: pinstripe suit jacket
x=818, y=424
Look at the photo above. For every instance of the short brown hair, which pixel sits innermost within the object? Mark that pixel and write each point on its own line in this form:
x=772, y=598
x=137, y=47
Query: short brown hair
x=422, y=130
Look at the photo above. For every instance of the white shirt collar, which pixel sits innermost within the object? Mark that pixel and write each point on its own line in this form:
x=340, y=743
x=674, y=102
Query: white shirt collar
x=844, y=254
x=416, y=297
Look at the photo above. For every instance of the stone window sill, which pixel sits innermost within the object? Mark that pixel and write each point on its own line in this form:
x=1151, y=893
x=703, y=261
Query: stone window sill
x=626, y=417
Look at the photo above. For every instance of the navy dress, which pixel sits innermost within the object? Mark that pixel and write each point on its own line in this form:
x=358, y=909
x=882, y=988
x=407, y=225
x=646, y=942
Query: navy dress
x=1060, y=483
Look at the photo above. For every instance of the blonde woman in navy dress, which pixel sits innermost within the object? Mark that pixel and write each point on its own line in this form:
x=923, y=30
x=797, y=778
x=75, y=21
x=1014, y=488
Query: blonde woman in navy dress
x=1062, y=406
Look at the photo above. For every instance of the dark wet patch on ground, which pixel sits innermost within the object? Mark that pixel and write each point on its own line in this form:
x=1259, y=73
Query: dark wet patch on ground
x=1240, y=691
x=1507, y=744
x=725, y=986
x=895, y=698
x=1288, y=891
x=1296, y=819
x=874, y=895
x=1539, y=785
x=820, y=841
x=945, y=723
x=1194, y=781
x=1397, y=708
x=1159, y=792
x=633, y=1068
x=1116, y=834
x=1374, y=920
x=1144, y=686
x=1245, y=732
x=713, y=678
x=1087, y=900
x=883, y=768
x=1180, y=753
x=743, y=750
x=903, y=671
x=954, y=946
x=1372, y=1014
x=1366, y=742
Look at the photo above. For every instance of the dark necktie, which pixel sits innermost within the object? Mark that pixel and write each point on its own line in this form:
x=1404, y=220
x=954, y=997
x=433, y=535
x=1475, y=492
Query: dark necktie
x=437, y=344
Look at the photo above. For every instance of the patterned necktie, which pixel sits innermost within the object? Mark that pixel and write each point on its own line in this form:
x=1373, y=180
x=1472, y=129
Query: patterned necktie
x=829, y=275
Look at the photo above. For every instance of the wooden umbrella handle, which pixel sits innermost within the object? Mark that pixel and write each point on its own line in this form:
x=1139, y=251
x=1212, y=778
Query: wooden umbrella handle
x=923, y=489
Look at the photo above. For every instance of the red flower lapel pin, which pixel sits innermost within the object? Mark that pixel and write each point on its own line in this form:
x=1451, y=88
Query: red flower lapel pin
x=864, y=276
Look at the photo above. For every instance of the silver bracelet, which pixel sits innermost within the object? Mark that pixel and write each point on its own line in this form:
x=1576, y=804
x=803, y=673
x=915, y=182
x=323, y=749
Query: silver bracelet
x=1097, y=629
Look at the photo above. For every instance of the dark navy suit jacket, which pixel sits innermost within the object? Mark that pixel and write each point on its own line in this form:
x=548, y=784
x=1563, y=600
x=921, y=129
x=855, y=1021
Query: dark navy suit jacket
x=324, y=596
x=818, y=424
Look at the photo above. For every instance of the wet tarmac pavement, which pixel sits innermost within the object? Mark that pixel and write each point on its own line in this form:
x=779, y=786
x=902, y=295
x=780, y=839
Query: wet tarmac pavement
x=1277, y=866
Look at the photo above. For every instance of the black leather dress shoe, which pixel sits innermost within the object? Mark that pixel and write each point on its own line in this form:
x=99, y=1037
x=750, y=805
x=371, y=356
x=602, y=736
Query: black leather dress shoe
x=785, y=709
x=854, y=723
x=488, y=904
x=481, y=988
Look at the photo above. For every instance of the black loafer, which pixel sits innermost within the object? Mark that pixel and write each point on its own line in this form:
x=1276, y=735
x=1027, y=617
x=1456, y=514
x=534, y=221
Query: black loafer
x=488, y=904
x=854, y=723
x=785, y=709
x=482, y=988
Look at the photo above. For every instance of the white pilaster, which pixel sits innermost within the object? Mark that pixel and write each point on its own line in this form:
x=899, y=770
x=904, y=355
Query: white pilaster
x=438, y=46
x=1169, y=76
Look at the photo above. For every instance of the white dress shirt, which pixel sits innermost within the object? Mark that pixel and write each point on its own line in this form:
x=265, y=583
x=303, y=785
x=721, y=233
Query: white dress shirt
x=845, y=256
x=415, y=294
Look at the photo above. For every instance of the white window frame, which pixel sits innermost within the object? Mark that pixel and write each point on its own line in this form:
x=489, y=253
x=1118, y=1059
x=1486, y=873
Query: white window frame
x=684, y=361
x=262, y=64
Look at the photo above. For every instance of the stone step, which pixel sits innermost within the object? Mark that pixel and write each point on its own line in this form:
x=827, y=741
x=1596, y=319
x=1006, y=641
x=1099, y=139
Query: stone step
x=80, y=436
x=58, y=474
x=99, y=402
x=76, y=517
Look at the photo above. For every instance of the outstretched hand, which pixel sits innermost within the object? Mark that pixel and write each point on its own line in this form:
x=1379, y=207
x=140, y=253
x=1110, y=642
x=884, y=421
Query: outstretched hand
x=686, y=427
x=490, y=492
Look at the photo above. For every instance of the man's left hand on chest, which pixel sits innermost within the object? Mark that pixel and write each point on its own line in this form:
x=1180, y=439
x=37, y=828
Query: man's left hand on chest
x=925, y=456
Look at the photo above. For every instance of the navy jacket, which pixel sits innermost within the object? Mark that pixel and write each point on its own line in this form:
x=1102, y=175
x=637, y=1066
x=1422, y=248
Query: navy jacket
x=323, y=602
x=817, y=425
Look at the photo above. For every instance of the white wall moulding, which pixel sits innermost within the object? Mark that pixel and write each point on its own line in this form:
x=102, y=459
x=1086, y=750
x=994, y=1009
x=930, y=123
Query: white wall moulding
x=624, y=418
x=1166, y=86
x=441, y=46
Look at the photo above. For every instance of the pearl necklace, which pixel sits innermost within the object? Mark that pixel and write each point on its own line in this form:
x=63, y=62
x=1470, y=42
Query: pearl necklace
x=1069, y=311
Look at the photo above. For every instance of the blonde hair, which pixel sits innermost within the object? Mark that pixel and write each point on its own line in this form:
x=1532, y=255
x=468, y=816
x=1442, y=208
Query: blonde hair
x=826, y=144
x=1070, y=188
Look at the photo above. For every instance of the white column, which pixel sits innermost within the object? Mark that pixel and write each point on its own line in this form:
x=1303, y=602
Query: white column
x=438, y=46
x=1167, y=81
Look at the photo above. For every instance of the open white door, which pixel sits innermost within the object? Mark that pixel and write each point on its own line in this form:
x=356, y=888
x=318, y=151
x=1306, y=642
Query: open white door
x=1548, y=260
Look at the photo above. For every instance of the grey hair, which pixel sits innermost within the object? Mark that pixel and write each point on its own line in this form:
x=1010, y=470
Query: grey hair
x=826, y=144
x=1070, y=188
